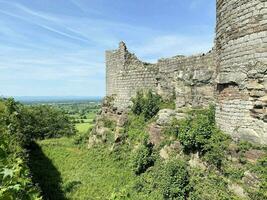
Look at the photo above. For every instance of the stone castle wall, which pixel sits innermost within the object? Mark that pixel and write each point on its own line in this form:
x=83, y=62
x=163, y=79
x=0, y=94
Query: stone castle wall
x=241, y=45
x=190, y=79
x=233, y=74
x=126, y=75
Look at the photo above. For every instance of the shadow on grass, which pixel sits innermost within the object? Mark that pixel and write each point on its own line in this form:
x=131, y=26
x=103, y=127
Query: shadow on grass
x=45, y=174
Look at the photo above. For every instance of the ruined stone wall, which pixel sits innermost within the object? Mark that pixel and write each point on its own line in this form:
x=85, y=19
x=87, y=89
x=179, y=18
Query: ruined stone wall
x=241, y=45
x=234, y=74
x=126, y=75
x=189, y=79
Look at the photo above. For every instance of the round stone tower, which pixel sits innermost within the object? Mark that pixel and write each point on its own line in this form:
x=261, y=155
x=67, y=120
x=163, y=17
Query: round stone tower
x=241, y=45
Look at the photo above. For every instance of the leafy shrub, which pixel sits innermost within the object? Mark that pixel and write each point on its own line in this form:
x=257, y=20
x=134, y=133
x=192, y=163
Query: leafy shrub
x=143, y=158
x=19, y=126
x=172, y=129
x=17, y=119
x=244, y=146
x=120, y=194
x=15, y=181
x=233, y=171
x=81, y=138
x=109, y=123
x=49, y=122
x=261, y=170
x=209, y=186
x=215, y=148
x=199, y=133
x=147, y=185
x=135, y=128
x=36, y=122
x=174, y=180
x=138, y=103
x=146, y=104
x=196, y=130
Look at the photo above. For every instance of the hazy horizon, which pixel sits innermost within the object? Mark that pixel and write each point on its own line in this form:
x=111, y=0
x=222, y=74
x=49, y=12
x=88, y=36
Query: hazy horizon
x=56, y=99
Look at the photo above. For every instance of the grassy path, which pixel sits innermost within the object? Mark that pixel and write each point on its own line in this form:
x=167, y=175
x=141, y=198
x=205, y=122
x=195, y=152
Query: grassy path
x=65, y=171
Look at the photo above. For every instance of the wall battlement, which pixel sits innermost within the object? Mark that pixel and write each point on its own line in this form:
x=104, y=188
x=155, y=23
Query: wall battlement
x=233, y=74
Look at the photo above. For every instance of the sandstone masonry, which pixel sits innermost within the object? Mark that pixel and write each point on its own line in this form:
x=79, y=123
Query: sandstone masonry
x=233, y=74
x=241, y=46
x=125, y=75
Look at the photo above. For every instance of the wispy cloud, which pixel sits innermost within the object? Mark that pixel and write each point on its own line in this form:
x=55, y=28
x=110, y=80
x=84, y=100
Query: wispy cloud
x=171, y=45
x=40, y=45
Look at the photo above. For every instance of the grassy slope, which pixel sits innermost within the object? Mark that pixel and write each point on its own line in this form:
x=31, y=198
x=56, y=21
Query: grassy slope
x=68, y=171
x=85, y=174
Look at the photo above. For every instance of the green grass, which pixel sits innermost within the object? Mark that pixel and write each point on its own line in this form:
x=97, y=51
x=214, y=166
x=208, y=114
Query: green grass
x=83, y=127
x=65, y=170
x=60, y=167
x=88, y=123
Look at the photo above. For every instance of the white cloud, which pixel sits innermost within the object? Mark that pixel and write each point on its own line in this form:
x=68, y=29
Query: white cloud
x=45, y=46
x=172, y=45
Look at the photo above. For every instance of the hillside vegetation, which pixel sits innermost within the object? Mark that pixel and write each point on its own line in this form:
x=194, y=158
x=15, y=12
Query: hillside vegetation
x=20, y=126
x=192, y=160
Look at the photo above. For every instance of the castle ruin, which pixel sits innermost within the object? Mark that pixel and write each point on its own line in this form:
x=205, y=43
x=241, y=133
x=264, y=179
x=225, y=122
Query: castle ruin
x=233, y=75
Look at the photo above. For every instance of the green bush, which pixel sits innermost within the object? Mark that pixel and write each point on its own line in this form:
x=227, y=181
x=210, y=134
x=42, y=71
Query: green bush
x=174, y=180
x=172, y=129
x=120, y=194
x=138, y=103
x=81, y=138
x=199, y=133
x=135, y=128
x=244, y=146
x=48, y=122
x=146, y=104
x=209, y=185
x=165, y=180
x=261, y=170
x=16, y=183
x=215, y=148
x=36, y=122
x=19, y=126
x=233, y=171
x=15, y=180
x=109, y=123
x=195, y=131
x=143, y=158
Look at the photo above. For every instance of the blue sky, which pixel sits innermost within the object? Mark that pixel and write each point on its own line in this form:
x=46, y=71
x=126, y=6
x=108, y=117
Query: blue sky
x=57, y=47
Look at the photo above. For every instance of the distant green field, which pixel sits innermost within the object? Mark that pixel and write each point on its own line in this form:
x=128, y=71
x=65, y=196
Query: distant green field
x=83, y=127
x=86, y=124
